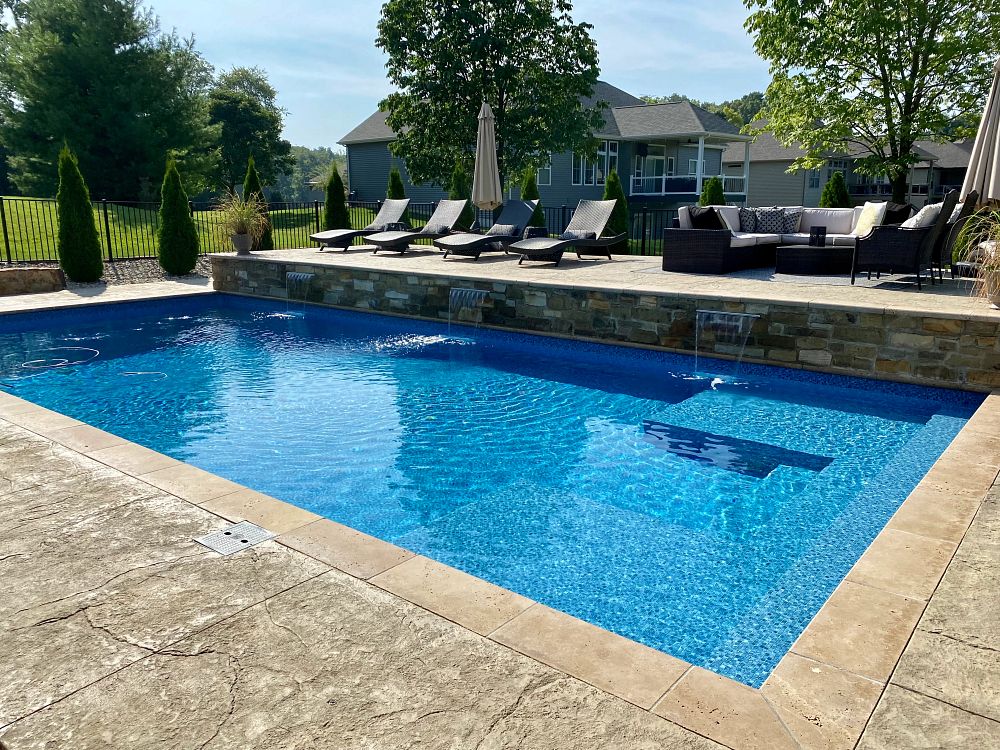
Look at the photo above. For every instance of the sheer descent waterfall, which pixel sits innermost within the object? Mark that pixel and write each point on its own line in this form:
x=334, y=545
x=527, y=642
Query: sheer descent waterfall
x=729, y=329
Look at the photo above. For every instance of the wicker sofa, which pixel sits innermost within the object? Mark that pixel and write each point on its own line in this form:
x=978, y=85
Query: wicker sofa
x=721, y=251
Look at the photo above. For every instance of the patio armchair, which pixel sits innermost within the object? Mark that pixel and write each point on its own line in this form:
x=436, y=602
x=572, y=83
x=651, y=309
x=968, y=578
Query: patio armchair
x=899, y=249
x=509, y=228
x=583, y=234
x=945, y=244
x=389, y=215
x=441, y=223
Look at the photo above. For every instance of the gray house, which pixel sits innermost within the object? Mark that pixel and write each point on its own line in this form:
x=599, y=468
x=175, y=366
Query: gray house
x=662, y=152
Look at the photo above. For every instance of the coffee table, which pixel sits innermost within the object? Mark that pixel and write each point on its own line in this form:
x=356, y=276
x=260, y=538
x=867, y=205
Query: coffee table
x=806, y=260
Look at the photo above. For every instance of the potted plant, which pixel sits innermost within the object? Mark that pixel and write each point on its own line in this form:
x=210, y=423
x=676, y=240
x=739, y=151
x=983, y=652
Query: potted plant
x=244, y=219
x=977, y=247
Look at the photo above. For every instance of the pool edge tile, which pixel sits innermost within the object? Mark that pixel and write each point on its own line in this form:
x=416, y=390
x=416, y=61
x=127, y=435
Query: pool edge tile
x=615, y=664
x=903, y=563
x=84, y=438
x=190, y=483
x=346, y=549
x=132, y=459
x=268, y=512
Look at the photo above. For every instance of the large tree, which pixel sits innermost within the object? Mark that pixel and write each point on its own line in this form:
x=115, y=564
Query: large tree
x=738, y=111
x=244, y=106
x=859, y=77
x=528, y=59
x=100, y=76
x=311, y=170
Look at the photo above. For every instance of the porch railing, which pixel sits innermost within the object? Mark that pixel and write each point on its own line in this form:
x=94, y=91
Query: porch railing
x=685, y=185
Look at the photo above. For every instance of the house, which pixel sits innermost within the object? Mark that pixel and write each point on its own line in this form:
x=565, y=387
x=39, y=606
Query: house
x=940, y=167
x=663, y=153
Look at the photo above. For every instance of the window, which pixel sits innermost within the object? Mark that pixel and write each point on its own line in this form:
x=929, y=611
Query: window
x=836, y=165
x=595, y=171
x=813, y=179
x=670, y=166
x=693, y=166
x=544, y=176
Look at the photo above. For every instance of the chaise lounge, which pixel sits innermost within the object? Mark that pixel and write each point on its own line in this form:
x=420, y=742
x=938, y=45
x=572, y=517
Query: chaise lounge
x=389, y=215
x=509, y=228
x=583, y=234
x=441, y=223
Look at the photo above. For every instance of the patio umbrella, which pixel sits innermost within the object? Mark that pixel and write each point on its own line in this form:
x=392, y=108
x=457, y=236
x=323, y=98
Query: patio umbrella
x=486, y=190
x=983, y=174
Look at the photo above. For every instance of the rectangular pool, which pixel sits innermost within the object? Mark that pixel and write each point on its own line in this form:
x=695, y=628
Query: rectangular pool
x=707, y=515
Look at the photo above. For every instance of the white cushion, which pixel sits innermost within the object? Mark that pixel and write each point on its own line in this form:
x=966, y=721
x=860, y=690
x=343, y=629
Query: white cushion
x=836, y=220
x=767, y=239
x=683, y=218
x=957, y=212
x=870, y=216
x=925, y=217
x=802, y=238
x=844, y=240
x=747, y=240
x=730, y=216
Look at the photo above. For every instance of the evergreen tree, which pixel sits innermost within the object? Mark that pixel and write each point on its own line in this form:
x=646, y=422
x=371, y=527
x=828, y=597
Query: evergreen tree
x=619, y=221
x=79, y=246
x=335, y=213
x=461, y=190
x=395, y=191
x=712, y=193
x=835, y=193
x=177, y=237
x=252, y=186
x=529, y=192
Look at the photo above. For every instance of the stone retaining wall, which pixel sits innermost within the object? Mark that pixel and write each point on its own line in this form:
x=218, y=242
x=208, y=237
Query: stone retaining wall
x=30, y=280
x=927, y=349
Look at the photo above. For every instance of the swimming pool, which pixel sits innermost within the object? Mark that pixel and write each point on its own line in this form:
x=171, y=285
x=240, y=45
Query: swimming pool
x=708, y=516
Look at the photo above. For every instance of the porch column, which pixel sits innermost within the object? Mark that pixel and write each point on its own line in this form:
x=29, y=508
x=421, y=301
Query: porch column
x=699, y=173
x=746, y=170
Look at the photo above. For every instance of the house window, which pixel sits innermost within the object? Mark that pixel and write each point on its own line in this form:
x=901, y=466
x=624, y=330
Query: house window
x=578, y=165
x=595, y=171
x=836, y=165
x=544, y=176
x=670, y=166
x=693, y=166
x=813, y=179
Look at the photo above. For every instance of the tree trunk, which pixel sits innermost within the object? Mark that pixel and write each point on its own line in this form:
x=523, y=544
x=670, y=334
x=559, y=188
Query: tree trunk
x=899, y=185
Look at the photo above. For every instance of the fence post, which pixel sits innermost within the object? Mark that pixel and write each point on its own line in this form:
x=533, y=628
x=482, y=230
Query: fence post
x=107, y=227
x=6, y=237
x=642, y=246
x=565, y=218
x=316, y=211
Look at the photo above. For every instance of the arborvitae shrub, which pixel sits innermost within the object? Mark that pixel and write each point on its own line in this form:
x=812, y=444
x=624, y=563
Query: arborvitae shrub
x=335, y=214
x=252, y=186
x=79, y=246
x=529, y=192
x=461, y=190
x=835, y=193
x=395, y=191
x=177, y=236
x=712, y=193
x=619, y=220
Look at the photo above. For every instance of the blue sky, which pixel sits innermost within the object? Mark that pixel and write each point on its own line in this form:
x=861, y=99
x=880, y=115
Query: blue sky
x=322, y=59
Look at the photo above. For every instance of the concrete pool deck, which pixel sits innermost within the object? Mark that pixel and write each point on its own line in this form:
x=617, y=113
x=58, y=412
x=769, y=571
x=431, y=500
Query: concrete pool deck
x=121, y=632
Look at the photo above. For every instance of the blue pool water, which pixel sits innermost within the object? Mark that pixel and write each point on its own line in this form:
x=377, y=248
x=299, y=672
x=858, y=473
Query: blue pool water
x=707, y=516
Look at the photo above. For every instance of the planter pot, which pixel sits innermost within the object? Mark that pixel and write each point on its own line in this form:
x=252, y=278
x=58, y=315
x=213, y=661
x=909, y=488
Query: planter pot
x=242, y=243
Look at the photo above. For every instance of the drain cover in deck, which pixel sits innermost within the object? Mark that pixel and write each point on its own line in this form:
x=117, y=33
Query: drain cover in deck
x=237, y=537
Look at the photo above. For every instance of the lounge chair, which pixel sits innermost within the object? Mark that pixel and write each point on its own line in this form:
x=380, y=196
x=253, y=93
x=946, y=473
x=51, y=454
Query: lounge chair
x=583, y=234
x=441, y=223
x=389, y=215
x=902, y=249
x=508, y=228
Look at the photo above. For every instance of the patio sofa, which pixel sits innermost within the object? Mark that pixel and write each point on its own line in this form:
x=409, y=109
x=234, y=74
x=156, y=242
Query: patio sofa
x=731, y=248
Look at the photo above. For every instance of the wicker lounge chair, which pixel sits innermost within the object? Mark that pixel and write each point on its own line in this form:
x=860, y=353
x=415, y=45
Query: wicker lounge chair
x=583, y=234
x=441, y=223
x=389, y=215
x=507, y=229
x=901, y=249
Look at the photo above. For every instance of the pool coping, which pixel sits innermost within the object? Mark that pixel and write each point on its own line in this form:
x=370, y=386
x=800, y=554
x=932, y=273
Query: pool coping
x=821, y=694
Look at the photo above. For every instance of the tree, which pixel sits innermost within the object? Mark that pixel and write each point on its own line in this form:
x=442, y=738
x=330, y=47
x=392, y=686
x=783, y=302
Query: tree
x=252, y=187
x=335, y=214
x=534, y=65
x=529, y=192
x=461, y=190
x=244, y=107
x=738, y=112
x=104, y=79
x=177, y=236
x=311, y=170
x=394, y=191
x=78, y=245
x=835, y=193
x=851, y=77
x=712, y=193
x=619, y=221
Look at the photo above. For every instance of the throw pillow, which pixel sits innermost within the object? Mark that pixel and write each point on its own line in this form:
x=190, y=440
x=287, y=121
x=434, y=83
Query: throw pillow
x=871, y=216
x=791, y=220
x=925, y=217
x=896, y=213
x=748, y=220
x=577, y=234
x=705, y=217
x=437, y=227
x=503, y=230
x=725, y=220
x=770, y=220
x=956, y=213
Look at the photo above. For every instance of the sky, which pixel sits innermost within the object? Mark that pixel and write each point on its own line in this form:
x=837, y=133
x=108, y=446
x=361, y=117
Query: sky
x=322, y=59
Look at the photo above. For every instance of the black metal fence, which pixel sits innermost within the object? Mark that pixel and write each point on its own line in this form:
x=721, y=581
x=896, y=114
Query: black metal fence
x=29, y=226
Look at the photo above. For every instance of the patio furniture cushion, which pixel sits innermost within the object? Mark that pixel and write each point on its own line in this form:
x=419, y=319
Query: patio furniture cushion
x=770, y=220
x=791, y=220
x=730, y=216
x=872, y=215
x=925, y=217
x=705, y=217
x=802, y=238
x=836, y=220
x=743, y=240
x=766, y=239
x=748, y=220
x=578, y=234
x=505, y=230
x=896, y=213
x=957, y=213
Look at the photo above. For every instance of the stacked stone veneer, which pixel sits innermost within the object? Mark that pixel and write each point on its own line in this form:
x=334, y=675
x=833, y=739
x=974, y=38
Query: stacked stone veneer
x=920, y=348
x=30, y=280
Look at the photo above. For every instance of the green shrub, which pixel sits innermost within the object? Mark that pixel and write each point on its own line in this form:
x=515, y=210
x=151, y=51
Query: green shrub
x=461, y=190
x=335, y=214
x=835, y=193
x=79, y=247
x=619, y=221
x=395, y=191
x=529, y=192
x=177, y=236
x=712, y=193
x=252, y=186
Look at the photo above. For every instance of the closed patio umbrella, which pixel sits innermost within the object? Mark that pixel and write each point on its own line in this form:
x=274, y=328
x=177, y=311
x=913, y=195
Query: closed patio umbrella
x=983, y=174
x=486, y=191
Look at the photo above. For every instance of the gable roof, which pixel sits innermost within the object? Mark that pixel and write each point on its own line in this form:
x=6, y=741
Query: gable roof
x=766, y=148
x=954, y=155
x=372, y=130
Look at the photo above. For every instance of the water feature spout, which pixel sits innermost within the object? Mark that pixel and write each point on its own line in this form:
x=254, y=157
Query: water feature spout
x=460, y=299
x=297, y=285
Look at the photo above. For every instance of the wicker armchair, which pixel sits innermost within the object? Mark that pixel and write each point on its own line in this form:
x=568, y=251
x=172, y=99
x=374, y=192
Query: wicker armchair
x=900, y=249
